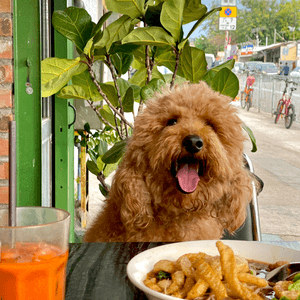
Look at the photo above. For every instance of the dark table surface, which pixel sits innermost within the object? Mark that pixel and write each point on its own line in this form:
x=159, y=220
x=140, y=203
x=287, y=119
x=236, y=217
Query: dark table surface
x=98, y=270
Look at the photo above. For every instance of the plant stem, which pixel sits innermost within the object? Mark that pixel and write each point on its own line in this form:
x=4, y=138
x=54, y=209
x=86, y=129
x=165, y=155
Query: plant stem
x=113, y=74
x=148, y=65
x=105, y=97
x=99, y=115
x=101, y=178
x=176, y=68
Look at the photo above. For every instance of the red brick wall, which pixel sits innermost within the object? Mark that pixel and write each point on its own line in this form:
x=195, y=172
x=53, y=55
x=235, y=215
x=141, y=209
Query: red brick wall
x=6, y=96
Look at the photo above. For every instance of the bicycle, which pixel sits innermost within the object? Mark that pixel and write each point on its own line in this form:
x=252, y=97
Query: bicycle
x=247, y=94
x=285, y=107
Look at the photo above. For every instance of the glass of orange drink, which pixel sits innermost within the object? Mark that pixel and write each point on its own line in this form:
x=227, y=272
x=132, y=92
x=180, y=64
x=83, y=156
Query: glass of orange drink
x=34, y=254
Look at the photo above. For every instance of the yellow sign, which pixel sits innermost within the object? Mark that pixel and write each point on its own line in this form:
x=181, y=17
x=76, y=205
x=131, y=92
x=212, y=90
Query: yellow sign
x=288, y=53
x=228, y=12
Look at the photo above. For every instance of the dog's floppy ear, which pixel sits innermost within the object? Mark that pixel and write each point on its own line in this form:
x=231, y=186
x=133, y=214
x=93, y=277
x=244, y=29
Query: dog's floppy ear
x=238, y=197
x=134, y=200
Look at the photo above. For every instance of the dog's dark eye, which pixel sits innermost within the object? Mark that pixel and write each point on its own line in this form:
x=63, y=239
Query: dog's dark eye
x=208, y=123
x=172, y=122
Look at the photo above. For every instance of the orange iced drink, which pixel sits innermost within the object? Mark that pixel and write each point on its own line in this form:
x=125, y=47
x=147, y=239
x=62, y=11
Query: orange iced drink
x=32, y=271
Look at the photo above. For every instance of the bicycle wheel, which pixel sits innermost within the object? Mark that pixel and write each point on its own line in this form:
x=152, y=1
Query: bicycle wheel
x=289, y=118
x=243, y=99
x=278, y=111
x=249, y=100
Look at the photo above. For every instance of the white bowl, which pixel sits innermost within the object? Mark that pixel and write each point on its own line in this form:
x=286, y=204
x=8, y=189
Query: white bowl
x=141, y=264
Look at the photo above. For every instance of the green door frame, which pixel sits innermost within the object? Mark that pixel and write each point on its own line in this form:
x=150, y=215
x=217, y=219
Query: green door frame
x=27, y=106
x=27, y=56
x=63, y=134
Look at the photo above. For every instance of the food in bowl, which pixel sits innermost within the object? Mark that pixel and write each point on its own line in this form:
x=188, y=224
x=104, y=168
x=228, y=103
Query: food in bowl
x=200, y=276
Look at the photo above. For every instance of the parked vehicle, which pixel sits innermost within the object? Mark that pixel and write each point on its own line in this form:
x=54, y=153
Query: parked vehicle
x=267, y=69
x=295, y=72
x=210, y=59
x=239, y=67
x=251, y=65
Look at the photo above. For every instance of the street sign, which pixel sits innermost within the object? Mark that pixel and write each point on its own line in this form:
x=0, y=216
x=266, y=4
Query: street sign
x=228, y=12
x=227, y=23
x=228, y=2
x=227, y=20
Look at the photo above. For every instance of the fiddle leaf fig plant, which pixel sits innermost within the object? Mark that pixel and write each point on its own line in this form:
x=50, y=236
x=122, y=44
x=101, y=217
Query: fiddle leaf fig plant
x=146, y=35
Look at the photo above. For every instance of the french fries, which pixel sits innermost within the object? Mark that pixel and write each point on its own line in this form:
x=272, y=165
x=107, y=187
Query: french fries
x=199, y=275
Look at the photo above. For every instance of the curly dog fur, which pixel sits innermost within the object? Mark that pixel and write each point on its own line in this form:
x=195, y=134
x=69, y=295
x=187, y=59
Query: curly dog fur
x=146, y=202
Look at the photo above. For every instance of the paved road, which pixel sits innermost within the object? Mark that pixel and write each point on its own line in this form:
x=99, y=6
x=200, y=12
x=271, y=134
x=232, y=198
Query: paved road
x=277, y=163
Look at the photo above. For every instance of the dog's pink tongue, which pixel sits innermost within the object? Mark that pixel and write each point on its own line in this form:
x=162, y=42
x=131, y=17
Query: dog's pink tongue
x=188, y=178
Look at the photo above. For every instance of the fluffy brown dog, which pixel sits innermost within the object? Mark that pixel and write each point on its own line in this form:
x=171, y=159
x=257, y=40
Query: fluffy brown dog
x=182, y=177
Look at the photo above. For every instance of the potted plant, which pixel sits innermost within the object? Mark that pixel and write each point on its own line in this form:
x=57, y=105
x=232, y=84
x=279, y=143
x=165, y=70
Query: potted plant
x=123, y=45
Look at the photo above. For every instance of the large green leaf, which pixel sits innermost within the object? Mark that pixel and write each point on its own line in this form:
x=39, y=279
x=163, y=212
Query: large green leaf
x=122, y=62
x=117, y=47
x=75, y=24
x=92, y=167
x=202, y=19
x=128, y=100
x=132, y=8
x=152, y=16
x=100, y=163
x=109, y=168
x=56, y=72
x=228, y=64
x=153, y=36
x=140, y=76
x=114, y=154
x=72, y=92
x=157, y=74
x=136, y=92
x=115, y=31
x=209, y=76
x=153, y=86
x=167, y=59
x=102, y=147
x=124, y=85
x=108, y=115
x=192, y=64
x=226, y=83
x=111, y=93
x=178, y=79
x=97, y=33
x=85, y=81
x=193, y=10
x=171, y=17
x=251, y=136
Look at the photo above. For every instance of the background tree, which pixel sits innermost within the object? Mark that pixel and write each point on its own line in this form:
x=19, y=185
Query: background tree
x=210, y=45
x=264, y=15
x=287, y=16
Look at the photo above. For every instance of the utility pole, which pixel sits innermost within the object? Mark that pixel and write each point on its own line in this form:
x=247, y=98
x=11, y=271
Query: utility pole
x=275, y=36
x=226, y=44
x=256, y=30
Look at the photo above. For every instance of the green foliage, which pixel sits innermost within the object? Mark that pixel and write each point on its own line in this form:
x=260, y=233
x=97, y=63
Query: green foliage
x=266, y=15
x=121, y=46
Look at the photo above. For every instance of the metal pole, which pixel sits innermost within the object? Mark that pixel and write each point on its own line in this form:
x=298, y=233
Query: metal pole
x=12, y=173
x=226, y=44
x=273, y=97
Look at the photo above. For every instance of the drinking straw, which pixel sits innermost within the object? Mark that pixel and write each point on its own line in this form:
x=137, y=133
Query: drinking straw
x=12, y=218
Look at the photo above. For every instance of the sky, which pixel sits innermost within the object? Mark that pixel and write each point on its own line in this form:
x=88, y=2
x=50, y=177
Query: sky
x=188, y=27
x=198, y=31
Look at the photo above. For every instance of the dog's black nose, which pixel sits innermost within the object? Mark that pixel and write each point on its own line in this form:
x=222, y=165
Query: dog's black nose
x=192, y=143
